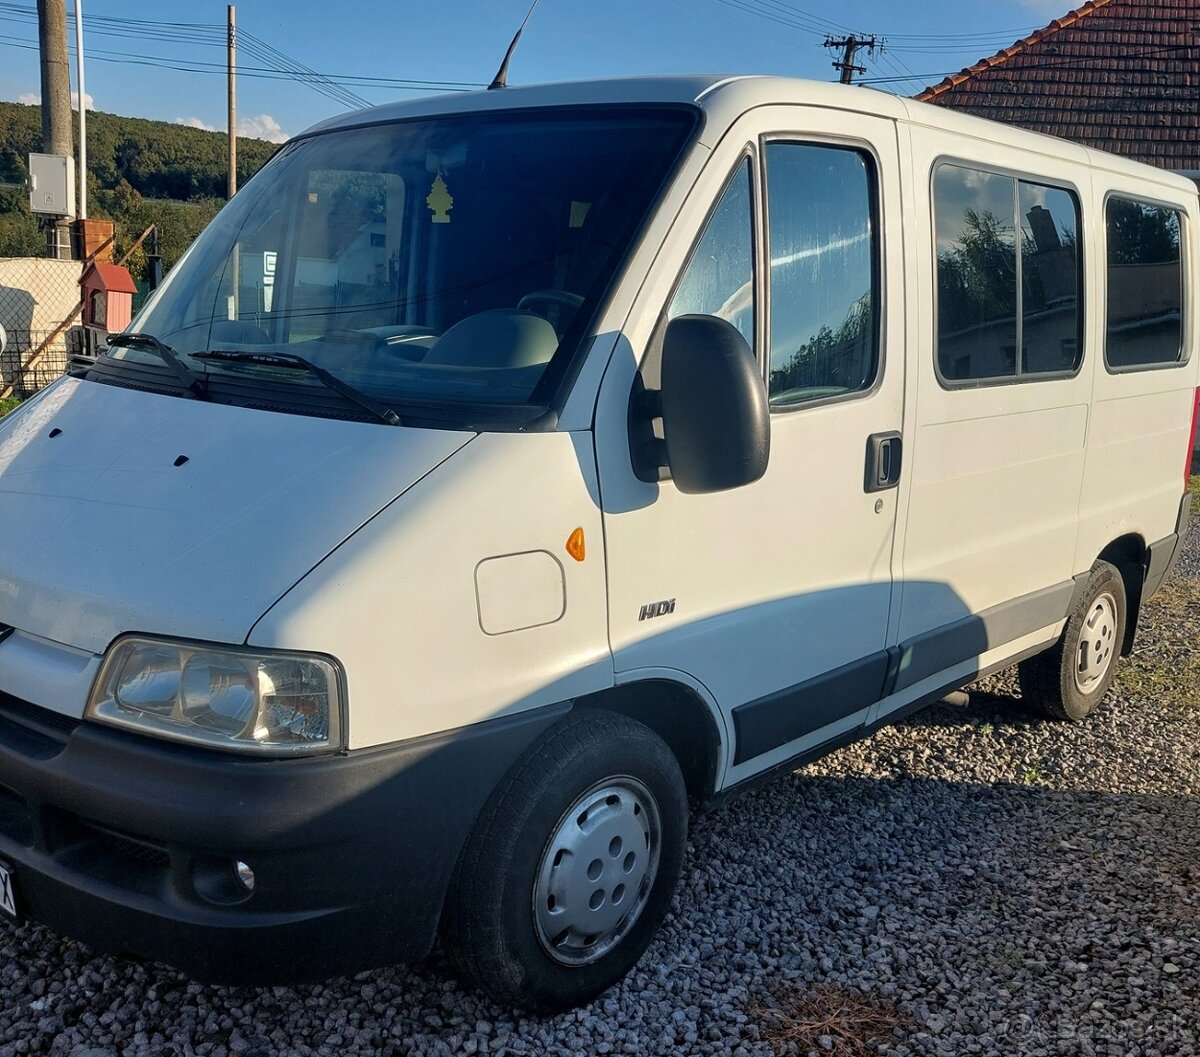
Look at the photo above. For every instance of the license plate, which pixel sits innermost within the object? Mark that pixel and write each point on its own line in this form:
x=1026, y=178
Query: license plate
x=8, y=896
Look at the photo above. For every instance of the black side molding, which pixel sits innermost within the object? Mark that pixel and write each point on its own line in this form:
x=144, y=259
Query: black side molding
x=935, y=651
x=1164, y=554
x=782, y=717
x=788, y=714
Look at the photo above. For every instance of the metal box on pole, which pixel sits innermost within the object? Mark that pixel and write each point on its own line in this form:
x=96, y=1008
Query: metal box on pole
x=52, y=184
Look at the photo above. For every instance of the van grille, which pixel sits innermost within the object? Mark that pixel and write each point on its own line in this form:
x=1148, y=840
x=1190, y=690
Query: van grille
x=16, y=823
x=124, y=846
x=107, y=854
x=35, y=719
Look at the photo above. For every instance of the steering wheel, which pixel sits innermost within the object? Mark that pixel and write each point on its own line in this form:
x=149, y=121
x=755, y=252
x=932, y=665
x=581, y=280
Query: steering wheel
x=562, y=306
x=558, y=298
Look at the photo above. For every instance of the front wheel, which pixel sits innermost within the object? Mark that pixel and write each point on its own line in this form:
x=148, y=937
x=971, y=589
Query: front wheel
x=1072, y=677
x=572, y=866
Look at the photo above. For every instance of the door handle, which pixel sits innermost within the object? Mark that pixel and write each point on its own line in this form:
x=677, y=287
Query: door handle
x=884, y=452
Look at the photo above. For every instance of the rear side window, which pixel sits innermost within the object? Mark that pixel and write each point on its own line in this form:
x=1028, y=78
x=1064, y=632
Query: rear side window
x=1008, y=274
x=824, y=272
x=1145, y=285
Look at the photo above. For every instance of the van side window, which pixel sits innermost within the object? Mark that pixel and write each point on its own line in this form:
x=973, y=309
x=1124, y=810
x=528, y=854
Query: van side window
x=1050, y=278
x=994, y=300
x=719, y=280
x=824, y=275
x=1145, y=285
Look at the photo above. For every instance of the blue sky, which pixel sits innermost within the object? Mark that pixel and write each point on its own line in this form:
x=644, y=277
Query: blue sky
x=164, y=73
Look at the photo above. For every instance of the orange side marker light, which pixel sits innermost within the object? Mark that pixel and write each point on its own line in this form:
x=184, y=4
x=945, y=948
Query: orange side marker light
x=575, y=545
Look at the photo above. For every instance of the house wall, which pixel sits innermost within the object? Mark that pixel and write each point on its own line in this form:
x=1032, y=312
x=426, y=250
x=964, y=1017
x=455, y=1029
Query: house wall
x=36, y=295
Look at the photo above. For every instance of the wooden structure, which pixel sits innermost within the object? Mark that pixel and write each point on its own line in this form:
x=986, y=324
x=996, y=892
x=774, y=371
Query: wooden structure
x=108, y=291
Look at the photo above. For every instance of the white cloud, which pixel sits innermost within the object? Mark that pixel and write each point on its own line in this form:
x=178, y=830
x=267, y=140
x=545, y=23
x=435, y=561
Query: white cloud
x=264, y=126
x=34, y=99
x=195, y=122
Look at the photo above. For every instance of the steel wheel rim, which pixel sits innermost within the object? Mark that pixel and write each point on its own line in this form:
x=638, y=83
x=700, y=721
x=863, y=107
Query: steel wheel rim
x=597, y=871
x=1097, y=643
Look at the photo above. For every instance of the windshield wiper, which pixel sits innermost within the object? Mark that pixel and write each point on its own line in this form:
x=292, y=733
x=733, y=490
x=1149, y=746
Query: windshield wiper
x=165, y=353
x=291, y=362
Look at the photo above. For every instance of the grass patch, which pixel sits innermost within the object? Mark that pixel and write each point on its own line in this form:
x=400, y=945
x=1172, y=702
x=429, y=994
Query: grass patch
x=828, y=1019
x=8, y=404
x=1165, y=665
x=1194, y=489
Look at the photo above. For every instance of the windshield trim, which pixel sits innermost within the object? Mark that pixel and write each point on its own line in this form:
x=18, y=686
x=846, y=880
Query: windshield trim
x=540, y=411
x=269, y=391
x=551, y=392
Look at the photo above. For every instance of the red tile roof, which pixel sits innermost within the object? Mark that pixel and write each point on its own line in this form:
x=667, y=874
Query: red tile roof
x=113, y=277
x=1121, y=75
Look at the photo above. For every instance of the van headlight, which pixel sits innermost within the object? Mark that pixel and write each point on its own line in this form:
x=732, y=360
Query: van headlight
x=228, y=697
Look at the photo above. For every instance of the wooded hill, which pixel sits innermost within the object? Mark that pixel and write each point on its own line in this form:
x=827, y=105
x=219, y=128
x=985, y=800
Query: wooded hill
x=139, y=173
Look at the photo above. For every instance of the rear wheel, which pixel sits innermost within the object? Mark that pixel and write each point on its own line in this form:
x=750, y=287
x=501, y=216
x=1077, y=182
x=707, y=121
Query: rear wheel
x=572, y=866
x=1072, y=677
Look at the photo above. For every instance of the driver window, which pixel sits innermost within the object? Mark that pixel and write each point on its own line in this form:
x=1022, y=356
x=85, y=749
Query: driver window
x=719, y=280
x=824, y=275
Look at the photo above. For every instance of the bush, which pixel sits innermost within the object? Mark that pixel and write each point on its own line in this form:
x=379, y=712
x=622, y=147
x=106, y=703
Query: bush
x=8, y=404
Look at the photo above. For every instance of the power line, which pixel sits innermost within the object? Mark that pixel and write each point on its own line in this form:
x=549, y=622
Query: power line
x=850, y=46
x=793, y=17
x=198, y=66
x=812, y=28
x=274, y=63
x=305, y=74
x=1060, y=64
x=902, y=72
x=793, y=11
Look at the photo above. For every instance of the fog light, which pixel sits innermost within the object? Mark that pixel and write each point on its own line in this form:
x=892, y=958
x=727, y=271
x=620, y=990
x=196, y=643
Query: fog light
x=244, y=874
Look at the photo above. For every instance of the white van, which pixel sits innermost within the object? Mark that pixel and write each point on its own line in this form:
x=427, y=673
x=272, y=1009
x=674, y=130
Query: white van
x=499, y=473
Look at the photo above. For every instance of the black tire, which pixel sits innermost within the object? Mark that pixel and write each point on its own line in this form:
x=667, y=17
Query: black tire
x=495, y=938
x=1057, y=682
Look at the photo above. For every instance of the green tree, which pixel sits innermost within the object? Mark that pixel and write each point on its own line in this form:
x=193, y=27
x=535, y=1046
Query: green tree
x=139, y=173
x=1141, y=234
x=977, y=276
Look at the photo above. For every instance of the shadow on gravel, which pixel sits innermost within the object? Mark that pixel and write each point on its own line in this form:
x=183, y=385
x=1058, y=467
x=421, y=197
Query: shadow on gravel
x=985, y=707
x=990, y=918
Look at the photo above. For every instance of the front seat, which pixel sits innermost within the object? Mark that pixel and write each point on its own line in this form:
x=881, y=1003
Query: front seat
x=499, y=338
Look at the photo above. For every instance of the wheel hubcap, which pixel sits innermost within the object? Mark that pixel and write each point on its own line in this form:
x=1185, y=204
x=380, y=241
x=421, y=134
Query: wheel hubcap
x=597, y=871
x=1097, y=644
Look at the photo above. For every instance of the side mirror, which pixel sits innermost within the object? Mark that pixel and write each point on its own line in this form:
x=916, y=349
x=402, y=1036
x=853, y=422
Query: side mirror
x=716, y=419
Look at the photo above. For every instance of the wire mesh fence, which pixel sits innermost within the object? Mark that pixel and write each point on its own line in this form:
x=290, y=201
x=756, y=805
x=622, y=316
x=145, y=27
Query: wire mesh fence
x=37, y=297
x=28, y=379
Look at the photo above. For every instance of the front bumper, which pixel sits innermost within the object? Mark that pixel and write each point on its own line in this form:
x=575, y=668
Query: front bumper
x=127, y=843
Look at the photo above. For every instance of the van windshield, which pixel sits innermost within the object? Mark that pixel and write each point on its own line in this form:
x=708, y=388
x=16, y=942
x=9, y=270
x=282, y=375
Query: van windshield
x=449, y=261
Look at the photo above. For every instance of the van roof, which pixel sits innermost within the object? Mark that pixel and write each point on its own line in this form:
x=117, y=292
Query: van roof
x=723, y=97
x=695, y=89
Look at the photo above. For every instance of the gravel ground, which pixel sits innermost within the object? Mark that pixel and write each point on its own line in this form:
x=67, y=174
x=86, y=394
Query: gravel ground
x=979, y=881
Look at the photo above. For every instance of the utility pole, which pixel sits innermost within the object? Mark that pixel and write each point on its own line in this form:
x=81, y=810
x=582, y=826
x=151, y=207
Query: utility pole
x=232, y=56
x=56, y=103
x=850, y=46
x=56, y=77
x=82, y=177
